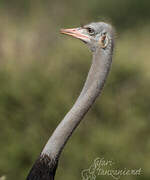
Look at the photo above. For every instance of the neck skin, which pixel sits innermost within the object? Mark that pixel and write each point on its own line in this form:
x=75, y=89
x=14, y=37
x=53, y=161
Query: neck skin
x=45, y=166
x=97, y=75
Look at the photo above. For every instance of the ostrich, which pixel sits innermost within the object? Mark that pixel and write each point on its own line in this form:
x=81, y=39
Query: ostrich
x=99, y=37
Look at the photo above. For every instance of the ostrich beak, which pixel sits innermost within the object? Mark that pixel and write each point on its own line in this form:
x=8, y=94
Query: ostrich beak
x=77, y=33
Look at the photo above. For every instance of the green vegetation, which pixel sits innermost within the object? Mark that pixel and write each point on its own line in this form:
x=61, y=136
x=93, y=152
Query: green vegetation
x=42, y=73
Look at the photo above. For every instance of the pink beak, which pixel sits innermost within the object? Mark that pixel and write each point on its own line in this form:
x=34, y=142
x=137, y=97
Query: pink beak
x=75, y=32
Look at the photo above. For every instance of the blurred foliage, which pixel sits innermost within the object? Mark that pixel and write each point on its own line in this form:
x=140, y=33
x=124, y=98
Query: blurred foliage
x=3, y=178
x=42, y=73
x=122, y=14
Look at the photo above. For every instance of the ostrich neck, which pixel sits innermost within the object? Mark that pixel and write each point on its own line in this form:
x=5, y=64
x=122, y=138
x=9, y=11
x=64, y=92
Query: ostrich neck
x=97, y=75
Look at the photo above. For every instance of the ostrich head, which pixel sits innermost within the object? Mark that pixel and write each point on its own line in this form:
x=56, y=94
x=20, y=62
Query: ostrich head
x=95, y=35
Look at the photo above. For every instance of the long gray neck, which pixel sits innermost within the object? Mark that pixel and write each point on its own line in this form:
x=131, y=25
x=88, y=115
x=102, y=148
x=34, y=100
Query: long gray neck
x=93, y=86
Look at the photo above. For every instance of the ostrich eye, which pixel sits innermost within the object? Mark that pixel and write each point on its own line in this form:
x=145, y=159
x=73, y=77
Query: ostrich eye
x=90, y=31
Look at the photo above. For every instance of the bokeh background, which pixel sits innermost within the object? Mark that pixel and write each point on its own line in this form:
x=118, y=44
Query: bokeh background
x=42, y=73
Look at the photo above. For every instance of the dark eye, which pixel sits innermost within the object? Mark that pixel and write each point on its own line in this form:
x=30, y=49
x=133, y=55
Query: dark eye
x=90, y=31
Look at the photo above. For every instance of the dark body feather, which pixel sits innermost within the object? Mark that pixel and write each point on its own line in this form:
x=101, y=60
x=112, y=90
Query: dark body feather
x=43, y=169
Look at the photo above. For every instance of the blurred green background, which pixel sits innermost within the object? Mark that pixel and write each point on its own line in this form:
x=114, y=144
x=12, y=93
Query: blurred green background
x=42, y=73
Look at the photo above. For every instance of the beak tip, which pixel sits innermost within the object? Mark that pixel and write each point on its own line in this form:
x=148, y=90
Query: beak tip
x=61, y=30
